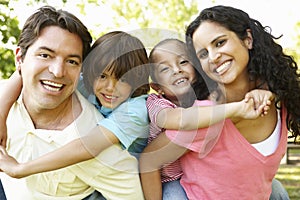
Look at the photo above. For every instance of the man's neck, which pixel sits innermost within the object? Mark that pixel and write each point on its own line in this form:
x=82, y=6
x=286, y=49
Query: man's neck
x=58, y=118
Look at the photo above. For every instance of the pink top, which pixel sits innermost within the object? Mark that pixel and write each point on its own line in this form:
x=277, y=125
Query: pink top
x=156, y=103
x=232, y=168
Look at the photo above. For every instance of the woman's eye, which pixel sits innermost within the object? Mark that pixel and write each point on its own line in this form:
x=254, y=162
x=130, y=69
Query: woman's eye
x=203, y=54
x=220, y=43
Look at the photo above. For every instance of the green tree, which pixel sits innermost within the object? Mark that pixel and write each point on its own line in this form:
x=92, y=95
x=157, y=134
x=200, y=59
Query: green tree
x=9, y=32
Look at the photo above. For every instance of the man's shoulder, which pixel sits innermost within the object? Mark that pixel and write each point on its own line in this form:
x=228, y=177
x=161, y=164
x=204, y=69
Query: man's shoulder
x=87, y=107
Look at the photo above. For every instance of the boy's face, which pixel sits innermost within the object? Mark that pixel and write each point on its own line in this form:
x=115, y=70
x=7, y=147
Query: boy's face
x=50, y=69
x=110, y=91
x=174, y=72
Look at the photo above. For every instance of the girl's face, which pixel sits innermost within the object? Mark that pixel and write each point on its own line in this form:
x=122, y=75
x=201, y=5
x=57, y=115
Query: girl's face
x=223, y=56
x=110, y=91
x=174, y=72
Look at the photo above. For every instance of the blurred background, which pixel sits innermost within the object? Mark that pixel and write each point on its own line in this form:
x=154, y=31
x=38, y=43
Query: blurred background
x=152, y=21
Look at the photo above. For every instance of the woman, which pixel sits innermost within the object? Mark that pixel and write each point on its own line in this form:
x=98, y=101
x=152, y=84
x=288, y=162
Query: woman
x=236, y=55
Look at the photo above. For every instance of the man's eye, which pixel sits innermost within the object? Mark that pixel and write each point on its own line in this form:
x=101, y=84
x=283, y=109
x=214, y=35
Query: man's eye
x=44, y=55
x=73, y=62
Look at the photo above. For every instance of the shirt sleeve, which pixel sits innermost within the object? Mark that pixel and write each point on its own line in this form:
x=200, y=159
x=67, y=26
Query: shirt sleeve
x=155, y=104
x=129, y=121
x=201, y=140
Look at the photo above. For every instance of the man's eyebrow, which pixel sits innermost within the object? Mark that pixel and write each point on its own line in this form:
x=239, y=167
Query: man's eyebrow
x=71, y=55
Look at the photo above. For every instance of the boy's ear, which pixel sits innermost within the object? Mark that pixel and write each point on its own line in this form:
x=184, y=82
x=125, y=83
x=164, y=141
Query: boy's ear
x=156, y=87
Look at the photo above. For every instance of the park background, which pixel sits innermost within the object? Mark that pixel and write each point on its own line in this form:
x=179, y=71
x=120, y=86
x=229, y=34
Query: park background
x=152, y=21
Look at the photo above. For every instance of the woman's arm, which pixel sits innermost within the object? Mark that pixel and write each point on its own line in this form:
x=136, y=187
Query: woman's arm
x=9, y=92
x=75, y=151
x=254, y=104
x=159, y=152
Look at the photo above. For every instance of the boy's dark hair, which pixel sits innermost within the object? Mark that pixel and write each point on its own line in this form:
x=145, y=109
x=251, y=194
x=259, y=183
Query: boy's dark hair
x=124, y=56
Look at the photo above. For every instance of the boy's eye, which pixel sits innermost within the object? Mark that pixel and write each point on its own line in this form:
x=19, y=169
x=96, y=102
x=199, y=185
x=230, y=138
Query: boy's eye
x=102, y=76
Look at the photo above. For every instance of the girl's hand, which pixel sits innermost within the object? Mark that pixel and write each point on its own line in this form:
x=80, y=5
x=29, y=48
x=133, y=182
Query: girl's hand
x=9, y=165
x=262, y=100
x=3, y=132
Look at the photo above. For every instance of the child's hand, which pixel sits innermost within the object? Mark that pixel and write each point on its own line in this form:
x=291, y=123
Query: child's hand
x=9, y=165
x=3, y=133
x=262, y=100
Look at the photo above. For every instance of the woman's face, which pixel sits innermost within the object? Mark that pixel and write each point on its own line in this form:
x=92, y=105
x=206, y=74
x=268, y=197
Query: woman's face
x=174, y=72
x=223, y=56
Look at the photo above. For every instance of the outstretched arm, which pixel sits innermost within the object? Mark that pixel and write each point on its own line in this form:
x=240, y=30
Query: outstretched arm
x=9, y=92
x=256, y=103
x=75, y=151
x=159, y=152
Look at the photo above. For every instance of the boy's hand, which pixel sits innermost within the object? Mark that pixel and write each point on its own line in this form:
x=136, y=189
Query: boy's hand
x=8, y=164
x=262, y=100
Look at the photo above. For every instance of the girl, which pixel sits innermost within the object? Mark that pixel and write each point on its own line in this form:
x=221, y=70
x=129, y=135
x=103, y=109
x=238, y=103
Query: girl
x=172, y=75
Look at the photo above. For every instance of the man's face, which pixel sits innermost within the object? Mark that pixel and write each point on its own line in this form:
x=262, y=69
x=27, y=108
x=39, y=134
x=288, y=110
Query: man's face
x=51, y=68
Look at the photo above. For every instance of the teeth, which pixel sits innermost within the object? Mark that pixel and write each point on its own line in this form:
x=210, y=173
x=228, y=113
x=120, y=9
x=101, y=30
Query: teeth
x=109, y=97
x=51, y=86
x=182, y=80
x=222, y=67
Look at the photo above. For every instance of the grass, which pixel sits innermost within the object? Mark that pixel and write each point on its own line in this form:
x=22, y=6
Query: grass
x=289, y=175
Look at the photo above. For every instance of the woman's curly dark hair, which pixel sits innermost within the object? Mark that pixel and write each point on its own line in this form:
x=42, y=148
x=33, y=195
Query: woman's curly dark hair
x=268, y=64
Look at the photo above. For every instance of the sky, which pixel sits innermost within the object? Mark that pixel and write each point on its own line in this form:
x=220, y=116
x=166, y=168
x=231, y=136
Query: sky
x=280, y=15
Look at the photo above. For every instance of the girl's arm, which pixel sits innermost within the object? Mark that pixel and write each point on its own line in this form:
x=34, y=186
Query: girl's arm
x=256, y=103
x=9, y=92
x=75, y=151
x=156, y=154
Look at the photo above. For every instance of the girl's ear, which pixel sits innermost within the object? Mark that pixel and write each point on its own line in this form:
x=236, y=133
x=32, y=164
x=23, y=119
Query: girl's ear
x=156, y=87
x=249, y=39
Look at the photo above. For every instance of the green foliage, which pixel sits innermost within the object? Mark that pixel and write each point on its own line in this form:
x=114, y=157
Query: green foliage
x=9, y=32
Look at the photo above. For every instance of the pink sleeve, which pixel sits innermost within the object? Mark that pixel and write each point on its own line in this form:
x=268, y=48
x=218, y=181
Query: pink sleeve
x=155, y=104
x=201, y=140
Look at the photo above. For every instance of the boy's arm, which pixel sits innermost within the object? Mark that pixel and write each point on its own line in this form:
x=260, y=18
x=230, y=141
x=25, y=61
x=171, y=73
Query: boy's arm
x=75, y=151
x=256, y=103
x=156, y=154
x=9, y=92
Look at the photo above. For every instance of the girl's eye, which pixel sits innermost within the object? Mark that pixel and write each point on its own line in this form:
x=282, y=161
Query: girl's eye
x=123, y=80
x=183, y=62
x=163, y=68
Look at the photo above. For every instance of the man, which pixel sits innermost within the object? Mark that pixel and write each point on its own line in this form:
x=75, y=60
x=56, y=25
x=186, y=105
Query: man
x=50, y=113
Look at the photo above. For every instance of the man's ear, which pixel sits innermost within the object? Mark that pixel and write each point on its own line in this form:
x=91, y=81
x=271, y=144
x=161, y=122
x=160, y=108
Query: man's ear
x=156, y=87
x=249, y=39
x=18, y=59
